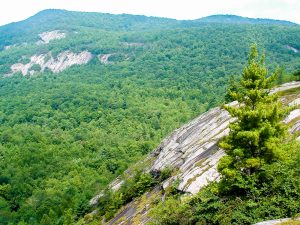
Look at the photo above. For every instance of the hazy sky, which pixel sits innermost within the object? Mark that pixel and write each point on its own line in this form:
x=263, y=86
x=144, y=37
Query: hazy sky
x=15, y=10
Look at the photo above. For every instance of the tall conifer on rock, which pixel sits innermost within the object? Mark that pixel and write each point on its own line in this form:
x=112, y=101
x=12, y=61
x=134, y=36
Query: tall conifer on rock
x=255, y=136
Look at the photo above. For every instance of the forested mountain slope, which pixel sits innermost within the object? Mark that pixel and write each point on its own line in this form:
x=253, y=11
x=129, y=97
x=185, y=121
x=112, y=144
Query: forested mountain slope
x=242, y=20
x=85, y=95
x=53, y=19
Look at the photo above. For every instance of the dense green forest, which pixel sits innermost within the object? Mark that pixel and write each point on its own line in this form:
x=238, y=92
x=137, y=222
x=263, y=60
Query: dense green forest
x=64, y=137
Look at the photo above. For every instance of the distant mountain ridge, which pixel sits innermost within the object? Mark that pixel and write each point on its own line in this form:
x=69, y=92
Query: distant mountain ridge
x=217, y=18
x=242, y=20
x=52, y=19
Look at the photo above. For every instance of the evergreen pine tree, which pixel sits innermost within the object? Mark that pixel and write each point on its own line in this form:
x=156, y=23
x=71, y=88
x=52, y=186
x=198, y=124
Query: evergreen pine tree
x=297, y=74
x=255, y=136
x=233, y=86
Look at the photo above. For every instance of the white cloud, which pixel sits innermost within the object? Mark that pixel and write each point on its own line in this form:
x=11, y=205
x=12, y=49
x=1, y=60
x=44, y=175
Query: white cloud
x=15, y=10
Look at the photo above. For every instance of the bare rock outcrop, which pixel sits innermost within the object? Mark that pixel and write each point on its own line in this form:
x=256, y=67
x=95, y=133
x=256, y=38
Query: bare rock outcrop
x=295, y=102
x=104, y=58
x=193, y=150
x=9, y=46
x=293, y=115
x=292, y=48
x=67, y=59
x=279, y=221
x=193, y=154
x=48, y=36
x=286, y=86
x=63, y=61
x=133, y=44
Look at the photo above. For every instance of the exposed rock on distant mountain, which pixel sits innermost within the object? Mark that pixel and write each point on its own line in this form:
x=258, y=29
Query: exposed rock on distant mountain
x=9, y=47
x=292, y=49
x=46, y=37
x=105, y=58
x=45, y=61
x=133, y=44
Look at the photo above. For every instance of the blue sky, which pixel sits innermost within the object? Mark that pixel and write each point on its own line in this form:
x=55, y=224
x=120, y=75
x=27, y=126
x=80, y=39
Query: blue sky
x=15, y=10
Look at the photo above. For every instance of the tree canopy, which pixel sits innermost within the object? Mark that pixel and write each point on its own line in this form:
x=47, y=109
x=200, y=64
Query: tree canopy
x=64, y=137
x=255, y=136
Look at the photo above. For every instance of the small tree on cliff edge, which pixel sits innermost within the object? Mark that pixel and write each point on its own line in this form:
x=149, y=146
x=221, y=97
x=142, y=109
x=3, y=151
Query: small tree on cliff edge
x=255, y=136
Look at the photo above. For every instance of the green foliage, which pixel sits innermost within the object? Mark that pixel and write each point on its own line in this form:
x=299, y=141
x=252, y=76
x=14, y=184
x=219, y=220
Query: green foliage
x=297, y=74
x=277, y=197
x=131, y=188
x=65, y=137
x=172, y=211
x=255, y=136
x=165, y=173
x=233, y=87
x=36, y=67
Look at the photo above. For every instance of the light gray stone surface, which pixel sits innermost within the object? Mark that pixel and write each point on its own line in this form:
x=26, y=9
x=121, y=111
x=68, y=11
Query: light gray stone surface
x=286, y=86
x=293, y=115
x=273, y=222
x=295, y=102
x=48, y=36
x=292, y=49
x=193, y=150
x=58, y=64
x=104, y=58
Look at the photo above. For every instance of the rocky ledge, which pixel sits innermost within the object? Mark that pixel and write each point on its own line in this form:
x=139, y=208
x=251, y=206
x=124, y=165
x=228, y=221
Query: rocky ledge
x=46, y=61
x=48, y=36
x=192, y=153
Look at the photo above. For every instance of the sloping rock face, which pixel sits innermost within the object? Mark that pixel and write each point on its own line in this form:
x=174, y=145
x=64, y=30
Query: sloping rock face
x=136, y=211
x=9, y=47
x=46, y=37
x=193, y=150
x=105, y=58
x=279, y=221
x=133, y=44
x=63, y=61
x=286, y=86
x=67, y=59
x=115, y=185
x=292, y=49
x=293, y=115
